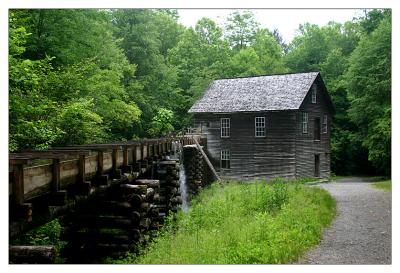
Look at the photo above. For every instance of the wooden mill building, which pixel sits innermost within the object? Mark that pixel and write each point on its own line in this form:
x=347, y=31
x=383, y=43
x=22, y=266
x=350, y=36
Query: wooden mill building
x=267, y=126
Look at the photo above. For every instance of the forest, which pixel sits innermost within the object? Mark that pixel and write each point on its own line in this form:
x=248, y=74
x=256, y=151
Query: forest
x=81, y=76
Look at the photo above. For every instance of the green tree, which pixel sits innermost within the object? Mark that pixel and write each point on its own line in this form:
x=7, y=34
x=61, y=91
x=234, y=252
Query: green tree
x=327, y=49
x=240, y=29
x=146, y=36
x=369, y=91
x=269, y=51
x=79, y=123
x=162, y=123
x=44, y=90
x=29, y=107
x=200, y=56
x=245, y=63
x=278, y=38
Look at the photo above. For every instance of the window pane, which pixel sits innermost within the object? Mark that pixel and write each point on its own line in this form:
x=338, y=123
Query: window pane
x=260, y=126
x=314, y=94
x=304, y=122
x=225, y=127
x=225, y=159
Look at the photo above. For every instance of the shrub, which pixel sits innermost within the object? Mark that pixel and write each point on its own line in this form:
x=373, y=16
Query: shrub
x=47, y=234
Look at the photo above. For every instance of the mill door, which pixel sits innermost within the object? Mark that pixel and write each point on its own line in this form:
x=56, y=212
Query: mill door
x=316, y=165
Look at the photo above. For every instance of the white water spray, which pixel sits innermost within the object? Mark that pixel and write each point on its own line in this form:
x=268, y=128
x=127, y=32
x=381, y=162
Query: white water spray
x=183, y=188
x=178, y=154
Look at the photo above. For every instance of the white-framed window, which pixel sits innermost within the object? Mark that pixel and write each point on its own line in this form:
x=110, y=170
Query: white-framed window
x=225, y=159
x=325, y=124
x=314, y=94
x=225, y=127
x=259, y=126
x=304, y=122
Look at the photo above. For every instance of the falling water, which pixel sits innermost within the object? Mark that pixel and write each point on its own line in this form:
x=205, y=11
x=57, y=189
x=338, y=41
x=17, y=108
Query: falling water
x=178, y=153
x=183, y=188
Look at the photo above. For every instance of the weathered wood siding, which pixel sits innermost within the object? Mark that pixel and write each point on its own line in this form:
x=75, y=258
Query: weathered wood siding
x=306, y=146
x=269, y=156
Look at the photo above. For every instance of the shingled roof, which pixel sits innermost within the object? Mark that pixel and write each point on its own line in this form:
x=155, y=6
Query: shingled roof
x=253, y=94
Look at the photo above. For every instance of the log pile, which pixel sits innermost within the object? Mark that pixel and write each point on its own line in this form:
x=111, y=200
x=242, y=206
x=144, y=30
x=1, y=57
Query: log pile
x=193, y=169
x=123, y=216
x=168, y=175
x=32, y=254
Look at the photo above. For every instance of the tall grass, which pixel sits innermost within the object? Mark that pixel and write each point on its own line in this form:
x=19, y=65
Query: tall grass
x=242, y=223
x=384, y=185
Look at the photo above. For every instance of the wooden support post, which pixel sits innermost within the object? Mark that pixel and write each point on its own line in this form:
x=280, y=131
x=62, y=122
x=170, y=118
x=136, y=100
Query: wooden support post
x=114, y=160
x=18, y=184
x=208, y=161
x=135, y=158
x=134, y=154
x=125, y=157
x=142, y=151
x=149, y=150
x=55, y=186
x=114, y=170
x=100, y=162
x=82, y=169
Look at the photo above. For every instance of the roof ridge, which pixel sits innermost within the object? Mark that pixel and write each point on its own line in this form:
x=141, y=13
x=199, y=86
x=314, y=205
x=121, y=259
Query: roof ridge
x=260, y=93
x=277, y=74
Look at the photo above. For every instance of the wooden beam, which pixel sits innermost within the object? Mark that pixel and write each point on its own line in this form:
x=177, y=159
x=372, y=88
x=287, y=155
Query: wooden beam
x=142, y=151
x=207, y=161
x=55, y=185
x=18, y=184
x=20, y=161
x=100, y=162
x=149, y=149
x=125, y=157
x=155, y=149
x=82, y=169
x=114, y=160
x=88, y=148
x=134, y=155
x=47, y=154
x=61, y=150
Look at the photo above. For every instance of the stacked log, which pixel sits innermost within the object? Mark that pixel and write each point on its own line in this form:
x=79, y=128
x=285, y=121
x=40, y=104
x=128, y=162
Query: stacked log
x=107, y=224
x=169, y=197
x=32, y=254
x=123, y=216
x=193, y=169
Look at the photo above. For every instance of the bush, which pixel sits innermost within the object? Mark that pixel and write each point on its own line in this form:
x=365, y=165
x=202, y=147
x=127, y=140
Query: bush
x=47, y=234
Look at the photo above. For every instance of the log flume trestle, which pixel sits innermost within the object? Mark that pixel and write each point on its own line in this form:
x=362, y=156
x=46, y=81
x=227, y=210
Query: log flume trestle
x=126, y=187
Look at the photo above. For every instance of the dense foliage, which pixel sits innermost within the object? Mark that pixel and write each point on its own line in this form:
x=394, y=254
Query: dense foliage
x=47, y=234
x=243, y=223
x=81, y=76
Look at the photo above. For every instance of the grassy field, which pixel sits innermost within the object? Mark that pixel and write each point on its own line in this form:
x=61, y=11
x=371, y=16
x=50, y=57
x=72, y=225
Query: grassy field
x=384, y=185
x=255, y=223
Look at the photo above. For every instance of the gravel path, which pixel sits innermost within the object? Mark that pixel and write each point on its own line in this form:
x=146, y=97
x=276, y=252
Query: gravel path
x=362, y=231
